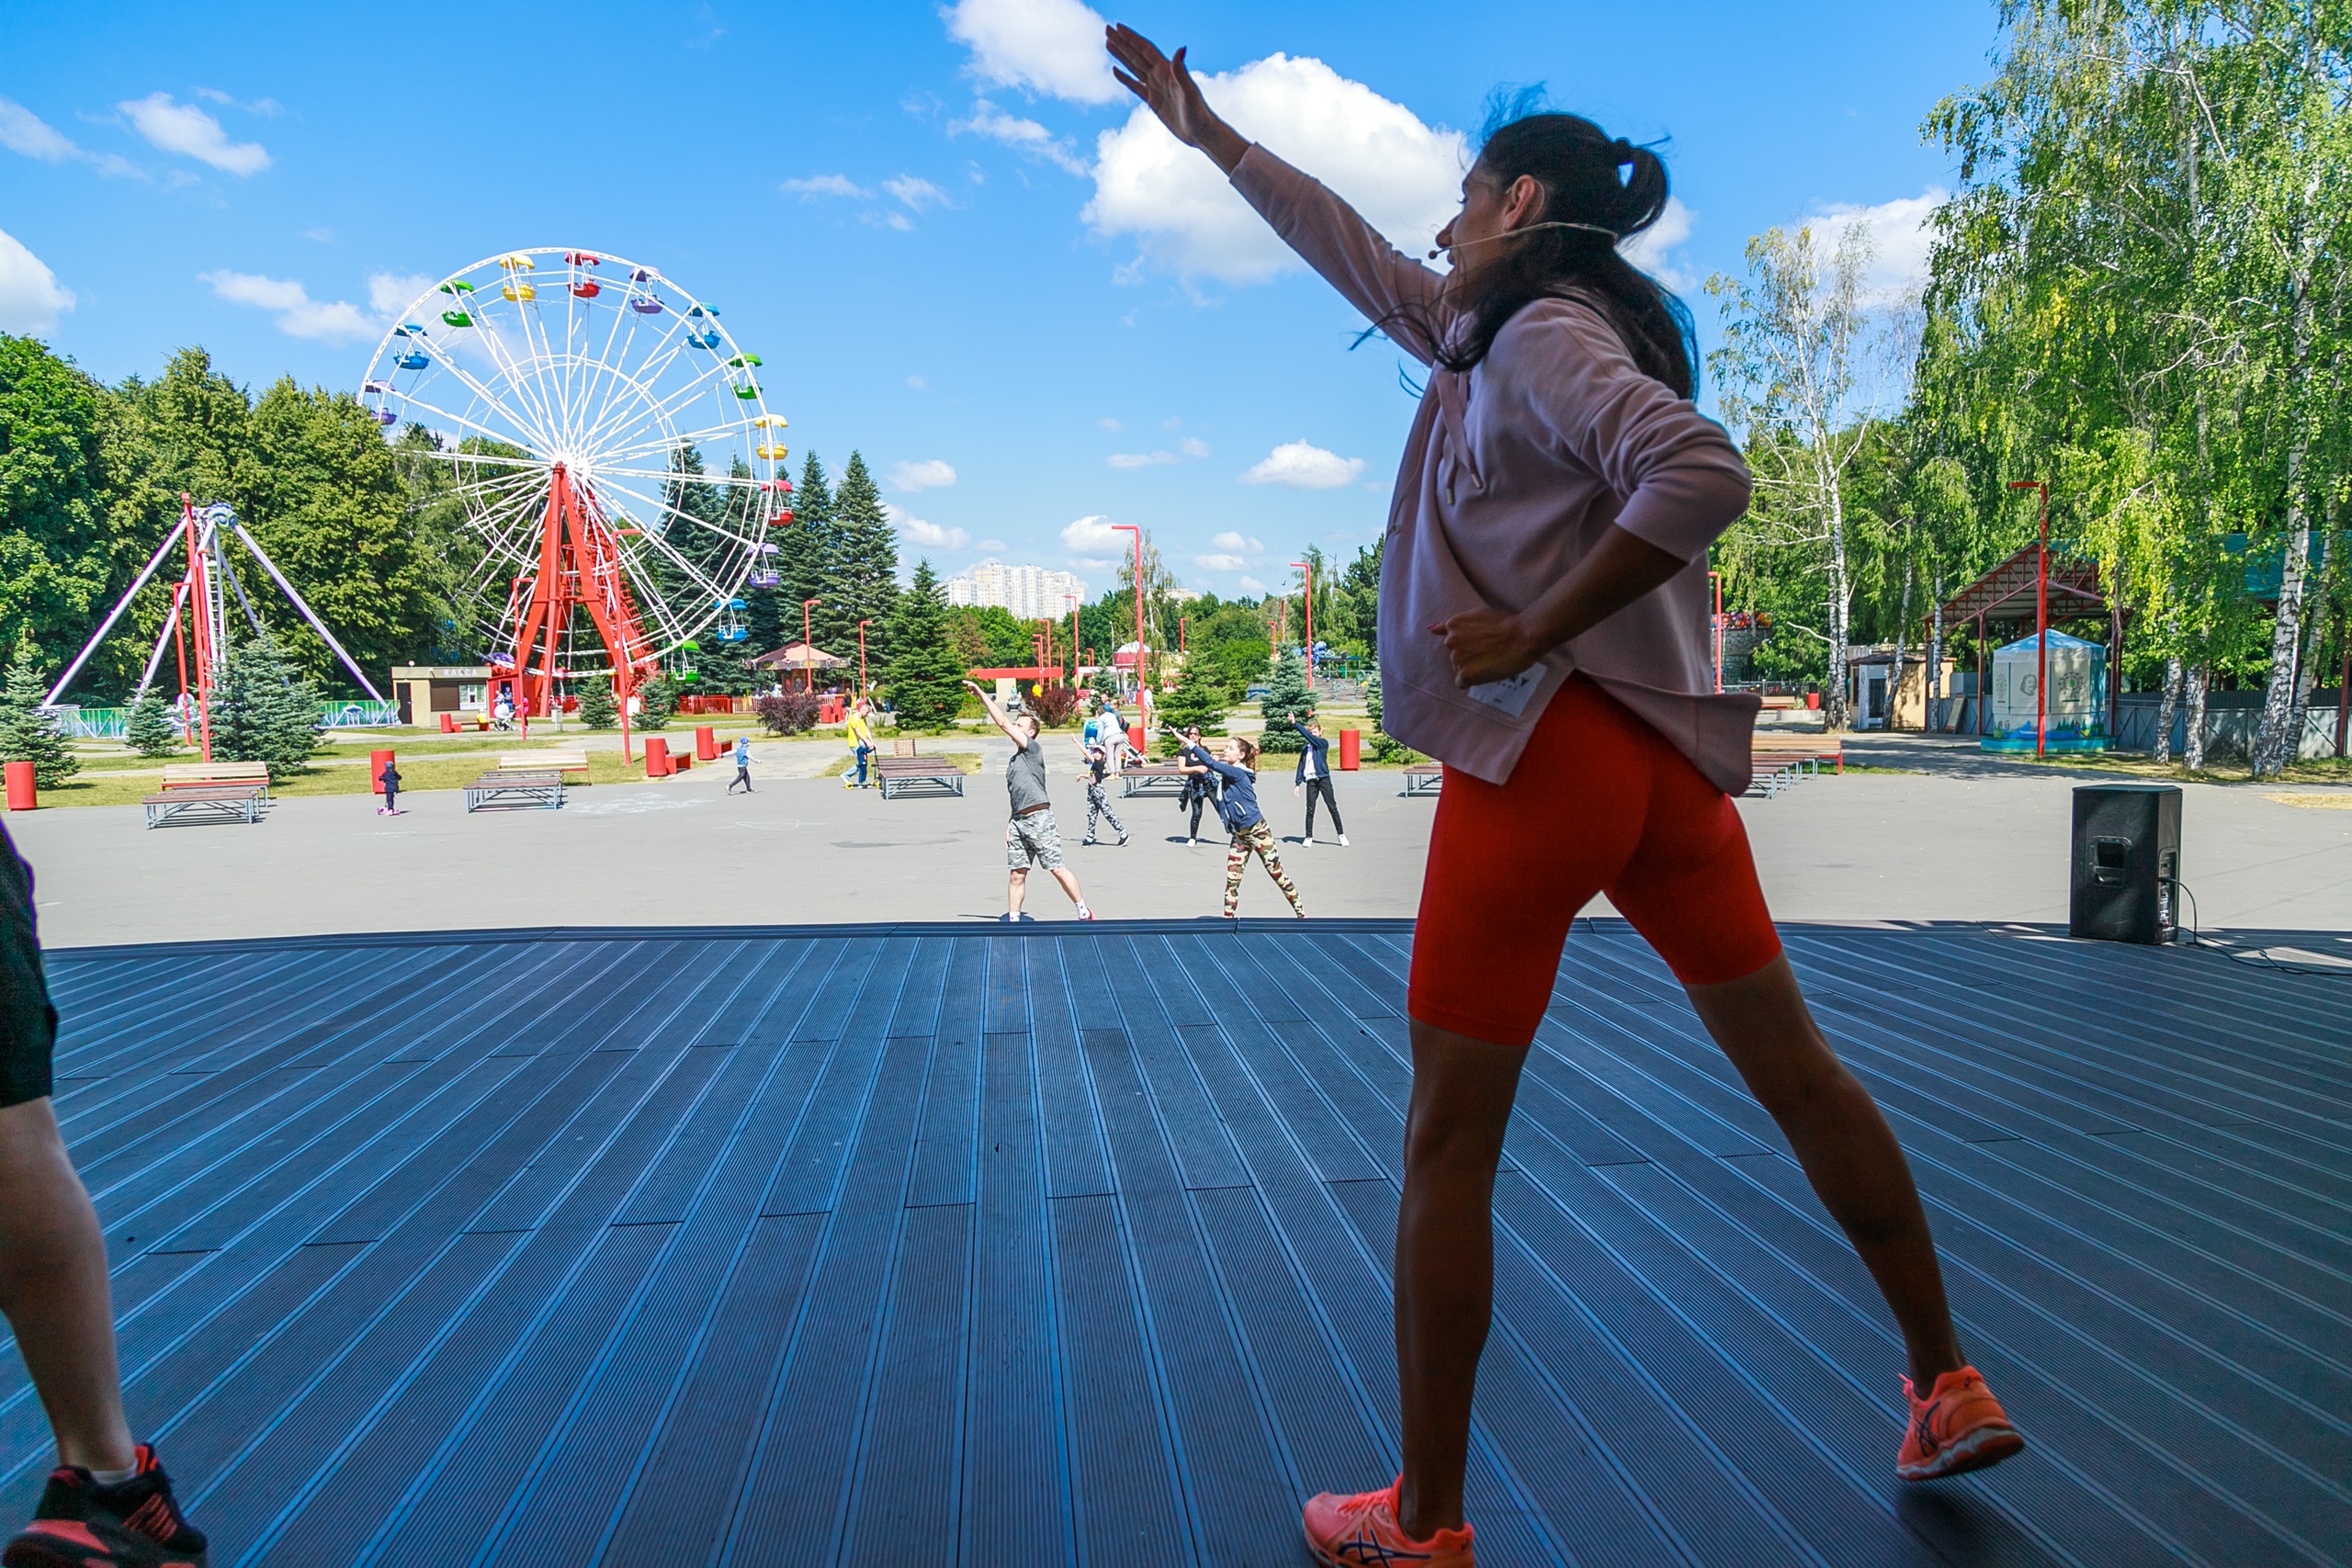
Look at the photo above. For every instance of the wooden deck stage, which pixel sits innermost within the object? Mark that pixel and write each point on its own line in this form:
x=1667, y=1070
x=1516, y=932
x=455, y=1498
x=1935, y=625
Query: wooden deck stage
x=911, y=1246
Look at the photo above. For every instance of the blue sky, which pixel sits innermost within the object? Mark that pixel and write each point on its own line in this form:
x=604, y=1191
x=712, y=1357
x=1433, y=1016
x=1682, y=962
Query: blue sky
x=937, y=224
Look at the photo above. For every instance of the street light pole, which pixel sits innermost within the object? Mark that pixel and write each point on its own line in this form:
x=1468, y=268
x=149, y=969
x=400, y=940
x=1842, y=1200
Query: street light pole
x=1309, y=568
x=1138, y=531
x=1072, y=600
x=807, y=669
x=2041, y=620
x=864, y=685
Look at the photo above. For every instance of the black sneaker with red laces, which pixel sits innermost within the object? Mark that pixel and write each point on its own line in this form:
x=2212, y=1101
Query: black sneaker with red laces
x=134, y=1524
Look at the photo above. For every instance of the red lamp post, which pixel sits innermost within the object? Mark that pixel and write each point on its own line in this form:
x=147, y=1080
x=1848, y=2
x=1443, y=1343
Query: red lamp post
x=864, y=685
x=1181, y=622
x=1072, y=601
x=1309, y=568
x=2041, y=620
x=807, y=670
x=1138, y=532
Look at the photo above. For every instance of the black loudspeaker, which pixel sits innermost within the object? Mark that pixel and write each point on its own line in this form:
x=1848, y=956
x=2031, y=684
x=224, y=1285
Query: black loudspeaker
x=2127, y=862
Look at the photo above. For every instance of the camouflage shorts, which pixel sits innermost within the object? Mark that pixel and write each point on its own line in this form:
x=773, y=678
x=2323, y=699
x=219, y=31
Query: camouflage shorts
x=1033, y=840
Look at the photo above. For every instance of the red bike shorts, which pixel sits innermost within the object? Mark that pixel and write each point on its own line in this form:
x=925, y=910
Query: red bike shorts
x=1599, y=803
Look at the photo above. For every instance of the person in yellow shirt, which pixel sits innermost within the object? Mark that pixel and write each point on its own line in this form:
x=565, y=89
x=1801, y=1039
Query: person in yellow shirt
x=861, y=739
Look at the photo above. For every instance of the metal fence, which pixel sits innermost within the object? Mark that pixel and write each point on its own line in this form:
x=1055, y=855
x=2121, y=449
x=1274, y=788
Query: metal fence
x=109, y=723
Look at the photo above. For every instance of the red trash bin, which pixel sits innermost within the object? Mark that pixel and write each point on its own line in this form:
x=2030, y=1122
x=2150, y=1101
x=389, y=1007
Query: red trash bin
x=706, y=743
x=1812, y=701
x=375, y=762
x=1135, y=736
x=657, y=757
x=21, y=794
x=1351, y=750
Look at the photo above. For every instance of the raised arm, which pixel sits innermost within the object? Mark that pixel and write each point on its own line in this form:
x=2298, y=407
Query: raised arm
x=1330, y=235
x=996, y=715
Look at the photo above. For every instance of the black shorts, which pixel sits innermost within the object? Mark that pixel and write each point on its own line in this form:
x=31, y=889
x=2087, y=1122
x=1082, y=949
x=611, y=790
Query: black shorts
x=28, y=1022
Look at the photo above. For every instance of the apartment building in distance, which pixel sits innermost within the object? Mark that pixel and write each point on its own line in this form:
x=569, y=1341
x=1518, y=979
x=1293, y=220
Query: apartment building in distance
x=1031, y=592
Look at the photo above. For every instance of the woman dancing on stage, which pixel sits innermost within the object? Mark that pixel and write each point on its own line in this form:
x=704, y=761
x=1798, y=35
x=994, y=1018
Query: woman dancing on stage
x=1236, y=803
x=1542, y=601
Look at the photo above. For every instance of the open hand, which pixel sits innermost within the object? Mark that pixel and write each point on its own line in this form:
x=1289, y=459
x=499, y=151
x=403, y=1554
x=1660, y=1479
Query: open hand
x=1167, y=85
x=1485, y=645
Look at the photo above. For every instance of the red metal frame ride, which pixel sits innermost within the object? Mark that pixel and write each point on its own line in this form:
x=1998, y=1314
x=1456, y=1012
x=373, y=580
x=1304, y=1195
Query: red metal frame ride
x=580, y=568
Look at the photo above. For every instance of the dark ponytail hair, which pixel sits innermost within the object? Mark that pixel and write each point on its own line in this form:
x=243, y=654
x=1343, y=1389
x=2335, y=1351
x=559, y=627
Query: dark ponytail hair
x=1577, y=165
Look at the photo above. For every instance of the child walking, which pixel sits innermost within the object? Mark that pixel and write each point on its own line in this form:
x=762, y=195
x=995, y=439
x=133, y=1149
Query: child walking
x=1238, y=804
x=391, y=779
x=742, y=764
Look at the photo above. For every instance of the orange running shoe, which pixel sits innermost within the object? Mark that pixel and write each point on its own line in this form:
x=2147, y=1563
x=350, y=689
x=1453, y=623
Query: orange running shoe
x=1362, y=1531
x=1960, y=1426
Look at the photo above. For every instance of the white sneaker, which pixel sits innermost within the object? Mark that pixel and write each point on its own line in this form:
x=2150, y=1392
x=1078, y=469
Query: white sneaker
x=1194, y=843
x=1307, y=843
x=1343, y=840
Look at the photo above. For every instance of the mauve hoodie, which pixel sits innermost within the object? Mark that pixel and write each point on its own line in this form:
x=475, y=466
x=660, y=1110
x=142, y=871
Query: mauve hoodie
x=1509, y=475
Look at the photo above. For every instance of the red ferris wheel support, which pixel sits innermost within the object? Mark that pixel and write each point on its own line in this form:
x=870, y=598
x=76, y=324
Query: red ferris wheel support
x=580, y=568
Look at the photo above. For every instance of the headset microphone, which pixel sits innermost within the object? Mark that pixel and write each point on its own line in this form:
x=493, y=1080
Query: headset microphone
x=1554, y=223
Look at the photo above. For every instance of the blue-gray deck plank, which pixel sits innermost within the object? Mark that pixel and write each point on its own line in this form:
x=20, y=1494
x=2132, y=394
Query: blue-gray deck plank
x=932, y=1245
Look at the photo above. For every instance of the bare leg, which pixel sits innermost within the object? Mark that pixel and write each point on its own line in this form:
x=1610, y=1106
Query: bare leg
x=1016, y=884
x=53, y=1289
x=1463, y=1090
x=1068, y=879
x=1847, y=1149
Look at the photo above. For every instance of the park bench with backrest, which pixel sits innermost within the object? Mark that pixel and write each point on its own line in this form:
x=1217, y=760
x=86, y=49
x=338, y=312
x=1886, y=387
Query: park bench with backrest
x=900, y=774
x=1785, y=760
x=219, y=803
x=217, y=775
x=1423, y=778
x=516, y=786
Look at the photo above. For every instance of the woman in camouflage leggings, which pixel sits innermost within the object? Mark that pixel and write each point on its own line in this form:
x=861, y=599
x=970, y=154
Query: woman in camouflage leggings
x=1238, y=804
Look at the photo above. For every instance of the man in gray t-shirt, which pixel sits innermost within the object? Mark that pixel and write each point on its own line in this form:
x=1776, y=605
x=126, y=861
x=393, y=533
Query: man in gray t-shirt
x=1029, y=836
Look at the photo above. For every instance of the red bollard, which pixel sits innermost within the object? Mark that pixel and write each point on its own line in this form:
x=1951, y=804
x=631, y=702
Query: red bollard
x=1135, y=736
x=448, y=724
x=21, y=794
x=375, y=762
x=657, y=757
x=706, y=743
x=1351, y=750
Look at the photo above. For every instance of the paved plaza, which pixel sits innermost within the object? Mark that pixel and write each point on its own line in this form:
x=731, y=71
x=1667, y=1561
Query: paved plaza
x=1973, y=837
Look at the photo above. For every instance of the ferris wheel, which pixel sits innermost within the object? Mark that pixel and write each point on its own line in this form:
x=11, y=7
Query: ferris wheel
x=612, y=452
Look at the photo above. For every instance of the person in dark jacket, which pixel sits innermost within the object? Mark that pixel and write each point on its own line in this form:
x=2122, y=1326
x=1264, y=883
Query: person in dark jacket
x=391, y=779
x=106, y=1491
x=1200, y=785
x=1238, y=804
x=1314, y=777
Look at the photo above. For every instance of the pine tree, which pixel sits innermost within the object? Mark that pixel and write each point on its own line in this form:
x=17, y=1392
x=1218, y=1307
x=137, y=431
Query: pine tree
x=149, y=730
x=657, y=699
x=801, y=551
x=28, y=735
x=862, y=566
x=1198, y=699
x=925, y=677
x=263, y=708
x=1286, y=694
x=598, y=708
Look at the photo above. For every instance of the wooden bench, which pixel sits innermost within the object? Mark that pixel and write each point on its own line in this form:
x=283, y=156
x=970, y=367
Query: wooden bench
x=1782, y=759
x=516, y=786
x=212, y=775
x=214, y=803
x=1424, y=778
x=542, y=761
x=900, y=774
x=1152, y=779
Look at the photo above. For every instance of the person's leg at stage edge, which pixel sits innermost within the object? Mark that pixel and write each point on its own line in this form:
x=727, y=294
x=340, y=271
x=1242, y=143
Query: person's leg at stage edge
x=1671, y=853
x=107, y=1501
x=1035, y=840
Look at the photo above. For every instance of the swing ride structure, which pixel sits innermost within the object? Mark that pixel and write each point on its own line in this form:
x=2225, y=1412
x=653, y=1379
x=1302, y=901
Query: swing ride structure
x=613, y=453
x=197, y=622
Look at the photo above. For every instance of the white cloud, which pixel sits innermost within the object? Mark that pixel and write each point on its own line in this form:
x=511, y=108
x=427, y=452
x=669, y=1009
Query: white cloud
x=917, y=383
x=1049, y=46
x=268, y=108
x=824, y=184
x=1024, y=135
x=1652, y=249
x=1232, y=541
x=997, y=546
x=1251, y=585
x=1092, y=563
x=922, y=533
x=929, y=474
x=1903, y=235
x=31, y=296
x=897, y=221
x=915, y=192
x=1109, y=425
x=1095, y=533
x=1303, y=467
x=391, y=292
x=322, y=235
x=1193, y=446
x=1139, y=460
x=21, y=130
x=189, y=131
x=298, y=314
x=1219, y=563
x=1403, y=175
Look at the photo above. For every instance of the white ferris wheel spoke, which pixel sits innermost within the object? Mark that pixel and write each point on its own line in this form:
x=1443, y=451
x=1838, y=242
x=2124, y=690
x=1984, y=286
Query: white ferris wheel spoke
x=615, y=419
x=650, y=448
